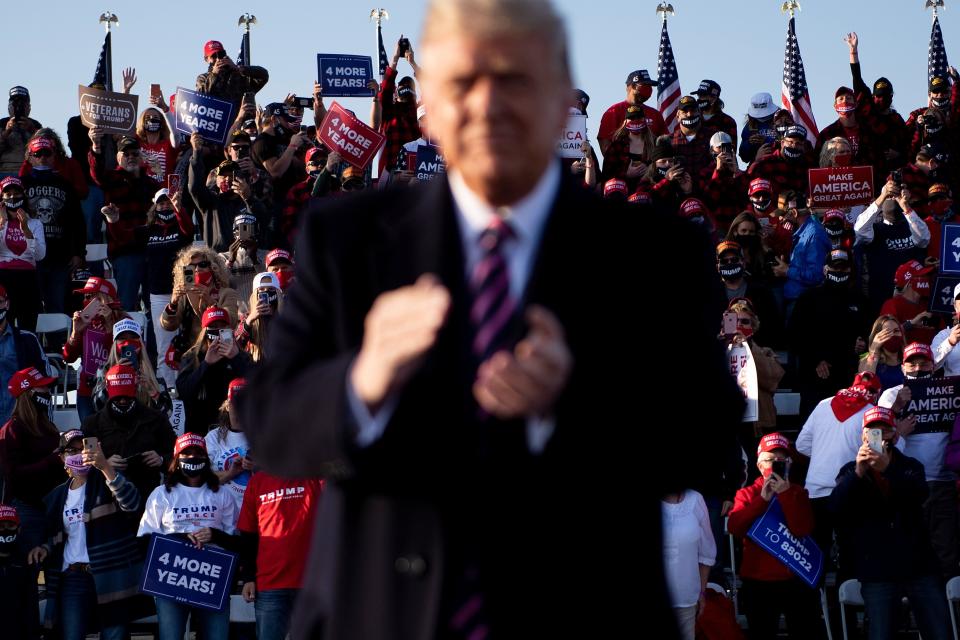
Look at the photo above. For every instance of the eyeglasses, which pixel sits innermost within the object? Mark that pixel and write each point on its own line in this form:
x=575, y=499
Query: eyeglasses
x=42, y=153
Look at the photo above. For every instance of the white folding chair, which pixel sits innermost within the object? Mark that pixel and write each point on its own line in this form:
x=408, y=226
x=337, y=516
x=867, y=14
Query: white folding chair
x=953, y=596
x=98, y=253
x=53, y=323
x=849, y=595
x=66, y=419
x=241, y=610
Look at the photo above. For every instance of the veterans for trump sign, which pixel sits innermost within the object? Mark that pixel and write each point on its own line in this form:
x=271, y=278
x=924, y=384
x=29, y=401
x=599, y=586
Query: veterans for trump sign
x=837, y=187
x=109, y=111
x=356, y=142
x=344, y=75
x=934, y=401
x=196, y=112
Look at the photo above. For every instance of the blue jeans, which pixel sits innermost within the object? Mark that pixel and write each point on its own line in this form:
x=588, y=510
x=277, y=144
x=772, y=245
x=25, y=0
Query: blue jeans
x=172, y=621
x=927, y=599
x=273, y=608
x=78, y=604
x=91, y=214
x=129, y=270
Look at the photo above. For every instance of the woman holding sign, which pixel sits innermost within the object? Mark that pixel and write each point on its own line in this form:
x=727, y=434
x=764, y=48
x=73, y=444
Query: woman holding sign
x=191, y=505
x=769, y=585
x=93, y=561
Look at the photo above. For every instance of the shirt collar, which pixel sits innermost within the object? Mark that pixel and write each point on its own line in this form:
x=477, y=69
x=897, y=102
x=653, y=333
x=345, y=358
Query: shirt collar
x=527, y=215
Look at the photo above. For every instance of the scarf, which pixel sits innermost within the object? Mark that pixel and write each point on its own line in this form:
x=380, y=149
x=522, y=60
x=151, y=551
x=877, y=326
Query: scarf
x=854, y=398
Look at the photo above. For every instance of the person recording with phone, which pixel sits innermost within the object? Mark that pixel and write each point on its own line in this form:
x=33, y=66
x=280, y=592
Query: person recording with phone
x=769, y=586
x=207, y=369
x=879, y=507
x=228, y=449
x=890, y=233
x=723, y=183
x=200, y=280
x=100, y=312
x=136, y=438
x=672, y=183
x=218, y=209
x=128, y=350
x=92, y=564
x=242, y=259
x=323, y=178
x=398, y=105
x=266, y=301
x=911, y=301
x=279, y=151
x=239, y=150
x=227, y=80
x=940, y=507
x=15, y=131
x=945, y=353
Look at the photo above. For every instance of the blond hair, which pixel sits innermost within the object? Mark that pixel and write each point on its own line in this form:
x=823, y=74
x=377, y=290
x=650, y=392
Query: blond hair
x=221, y=277
x=142, y=132
x=258, y=329
x=495, y=18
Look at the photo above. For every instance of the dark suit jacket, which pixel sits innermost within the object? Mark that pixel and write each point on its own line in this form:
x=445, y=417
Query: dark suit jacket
x=556, y=535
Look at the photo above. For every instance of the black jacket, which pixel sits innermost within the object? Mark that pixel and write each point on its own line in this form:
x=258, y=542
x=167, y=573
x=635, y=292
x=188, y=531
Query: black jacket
x=146, y=430
x=883, y=527
x=203, y=388
x=217, y=210
x=442, y=487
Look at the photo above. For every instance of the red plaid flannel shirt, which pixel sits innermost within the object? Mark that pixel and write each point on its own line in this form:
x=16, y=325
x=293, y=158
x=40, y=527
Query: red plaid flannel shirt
x=725, y=193
x=720, y=122
x=398, y=120
x=695, y=153
x=783, y=174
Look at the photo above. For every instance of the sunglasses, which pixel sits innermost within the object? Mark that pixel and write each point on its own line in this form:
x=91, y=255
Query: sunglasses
x=42, y=153
x=237, y=147
x=203, y=264
x=352, y=185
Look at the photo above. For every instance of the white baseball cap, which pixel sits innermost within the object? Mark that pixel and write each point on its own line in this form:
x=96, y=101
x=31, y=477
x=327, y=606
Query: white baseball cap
x=162, y=193
x=126, y=324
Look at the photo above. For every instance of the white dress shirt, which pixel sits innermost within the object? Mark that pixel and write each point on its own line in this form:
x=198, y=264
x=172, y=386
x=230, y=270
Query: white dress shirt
x=527, y=218
x=863, y=227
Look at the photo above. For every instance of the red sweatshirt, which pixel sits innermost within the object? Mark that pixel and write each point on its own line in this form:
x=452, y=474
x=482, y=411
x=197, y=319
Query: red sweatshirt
x=748, y=506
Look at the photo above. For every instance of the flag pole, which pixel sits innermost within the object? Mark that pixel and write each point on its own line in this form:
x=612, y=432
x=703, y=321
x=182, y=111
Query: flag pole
x=109, y=19
x=245, y=21
x=378, y=16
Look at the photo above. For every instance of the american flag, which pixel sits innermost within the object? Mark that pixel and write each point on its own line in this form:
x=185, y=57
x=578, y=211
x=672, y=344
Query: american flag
x=936, y=54
x=793, y=92
x=668, y=81
x=101, y=75
x=384, y=61
x=243, y=58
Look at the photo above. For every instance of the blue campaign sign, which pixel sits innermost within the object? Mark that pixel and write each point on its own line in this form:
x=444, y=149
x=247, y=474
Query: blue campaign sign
x=950, y=249
x=344, y=75
x=800, y=555
x=429, y=162
x=209, y=117
x=941, y=298
x=177, y=570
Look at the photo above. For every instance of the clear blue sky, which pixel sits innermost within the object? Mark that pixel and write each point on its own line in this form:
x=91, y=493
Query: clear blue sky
x=53, y=46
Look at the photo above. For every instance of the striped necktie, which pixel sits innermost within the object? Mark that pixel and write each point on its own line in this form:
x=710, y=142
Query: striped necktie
x=493, y=307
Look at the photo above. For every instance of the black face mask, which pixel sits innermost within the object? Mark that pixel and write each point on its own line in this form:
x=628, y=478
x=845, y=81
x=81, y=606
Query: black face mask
x=940, y=103
x=791, y=154
x=837, y=278
x=834, y=231
x=761, y=205
x=405, y=92
x=8, y=543
x=42, y=401
x=152, y=126
x=166, y=215
x=731, y=272
x=692, y=122
x=3, y=315
x=703, y=104
x=13, y=204
x=121, y=411
x=921, y=374
x=662, y=171
x=192, y=467
x=933, y=129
